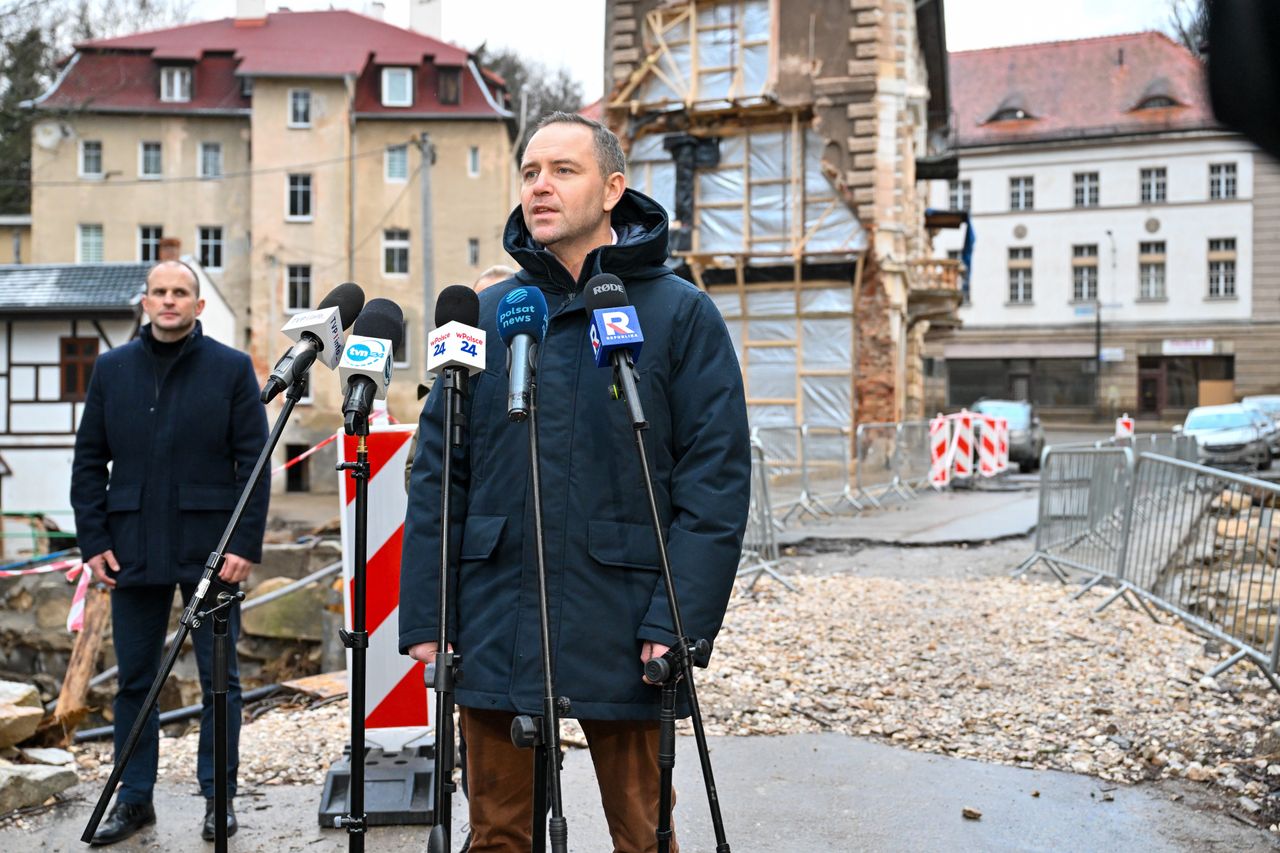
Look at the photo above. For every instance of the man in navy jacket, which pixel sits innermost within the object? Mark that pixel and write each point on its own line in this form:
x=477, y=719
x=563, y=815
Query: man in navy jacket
x=608, y=605
x=177, y=417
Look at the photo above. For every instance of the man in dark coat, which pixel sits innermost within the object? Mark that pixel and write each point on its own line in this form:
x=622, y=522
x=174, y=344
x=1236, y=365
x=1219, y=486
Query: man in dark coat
x=177, y=416
x=608, y=606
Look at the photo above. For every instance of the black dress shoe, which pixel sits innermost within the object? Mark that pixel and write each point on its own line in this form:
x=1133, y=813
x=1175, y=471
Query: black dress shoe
x=210, y=827
x=125, y=819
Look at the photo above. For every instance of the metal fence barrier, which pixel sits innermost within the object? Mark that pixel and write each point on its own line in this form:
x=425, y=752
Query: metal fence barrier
x=760, y=545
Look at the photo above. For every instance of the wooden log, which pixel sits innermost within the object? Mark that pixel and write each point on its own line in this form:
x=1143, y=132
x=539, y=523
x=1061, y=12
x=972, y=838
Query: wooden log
x=58, y=729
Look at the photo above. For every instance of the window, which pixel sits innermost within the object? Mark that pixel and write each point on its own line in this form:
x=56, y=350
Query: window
x=299, y=108
x=246, y=87
x=395, y=251
x=1087, y=189
x=149, y=237
x=957, y=255
x=400, y=353
x=1020, y=275
x=473, y=252
x=209, y=244
x=297, y=477
x=397, y=163
x=959, y=194
x=449, y=85
x=149, y=160
x=298, y=288
x=175, y=84
x=1157, y=102
x=397, y=87
x=1022, y=195
x=473, y=161
x=89, y=244
x=299, y=201
x=1222, y=180
x=75, y=364
x=90, y=158
x=211, y=159
x=1222, y=268
x=1010, y=114
x=1153, y=183
x=1151, y=277
x=1084, y=273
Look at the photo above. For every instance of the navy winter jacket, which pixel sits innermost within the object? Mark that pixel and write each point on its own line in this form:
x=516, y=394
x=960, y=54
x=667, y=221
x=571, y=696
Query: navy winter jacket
x=181, y=451
x=606, y=593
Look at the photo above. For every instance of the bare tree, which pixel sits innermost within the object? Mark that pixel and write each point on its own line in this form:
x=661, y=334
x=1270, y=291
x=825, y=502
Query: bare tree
x=1189, y=23
x=534, y=90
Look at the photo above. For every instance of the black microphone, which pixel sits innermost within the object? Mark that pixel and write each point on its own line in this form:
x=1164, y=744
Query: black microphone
x=456, y=342
x=317, y=334
x=367, y=360
x=458, y=304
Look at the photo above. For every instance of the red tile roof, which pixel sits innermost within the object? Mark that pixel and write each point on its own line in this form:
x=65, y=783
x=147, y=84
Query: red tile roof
x=593, y=110
x=1077, y=89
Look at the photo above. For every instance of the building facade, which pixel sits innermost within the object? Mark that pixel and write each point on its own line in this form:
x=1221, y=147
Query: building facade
x=1115, y=228
x=285, y=171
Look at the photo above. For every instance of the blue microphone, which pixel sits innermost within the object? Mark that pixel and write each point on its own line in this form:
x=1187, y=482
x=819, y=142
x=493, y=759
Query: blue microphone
x=522, y=324
x=615, y=327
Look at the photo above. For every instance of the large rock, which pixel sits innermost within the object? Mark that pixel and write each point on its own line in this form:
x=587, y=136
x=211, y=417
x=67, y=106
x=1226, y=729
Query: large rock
x=297, y=616
x=24, y=785
x=18, y=722
x=17, y=693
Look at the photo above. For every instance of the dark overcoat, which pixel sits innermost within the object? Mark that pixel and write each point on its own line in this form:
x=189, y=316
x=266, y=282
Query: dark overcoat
x=606, y=594
x=180, y=451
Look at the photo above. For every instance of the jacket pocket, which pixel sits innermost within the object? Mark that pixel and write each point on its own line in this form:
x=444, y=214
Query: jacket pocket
x=480, y=536
x=124, y=523
x=629, y=546
x=203, y=511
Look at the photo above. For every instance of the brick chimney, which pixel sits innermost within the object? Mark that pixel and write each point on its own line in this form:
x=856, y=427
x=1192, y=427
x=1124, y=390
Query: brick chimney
x=427, y=17
x=170, y=248
x=250, y=12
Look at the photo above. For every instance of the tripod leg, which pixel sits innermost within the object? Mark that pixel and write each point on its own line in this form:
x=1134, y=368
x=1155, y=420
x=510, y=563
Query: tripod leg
x=540, y=770
x=666, y=761
x=221, y=652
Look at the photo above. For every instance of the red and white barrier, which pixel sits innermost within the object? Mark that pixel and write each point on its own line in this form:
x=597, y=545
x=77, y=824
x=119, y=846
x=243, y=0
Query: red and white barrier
x=989, y=446
x=940, y=452
x=395, y=696
x=1124, y=426
x=1002, y=437
x=962, y=445
x=952, y=443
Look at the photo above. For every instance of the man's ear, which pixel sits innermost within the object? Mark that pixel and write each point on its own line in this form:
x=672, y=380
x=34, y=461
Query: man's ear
x=199, y=306
x=614, y=186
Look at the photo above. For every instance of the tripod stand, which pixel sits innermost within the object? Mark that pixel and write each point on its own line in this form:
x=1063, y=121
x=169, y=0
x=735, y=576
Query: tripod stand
x=191, y=618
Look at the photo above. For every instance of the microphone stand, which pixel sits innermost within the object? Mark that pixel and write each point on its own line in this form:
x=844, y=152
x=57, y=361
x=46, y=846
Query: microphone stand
x=191, y=618
x=447, y=663
x=677, y=665
x=543, y=733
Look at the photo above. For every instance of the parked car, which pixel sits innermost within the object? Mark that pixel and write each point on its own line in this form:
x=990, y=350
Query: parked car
x=1026, y=435
x=1229, y=436
x=1269, y=406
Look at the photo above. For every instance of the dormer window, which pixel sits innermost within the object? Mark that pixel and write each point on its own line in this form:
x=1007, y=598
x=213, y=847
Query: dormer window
x=1010, y=114
x=1158, y=102
x=175, y=84
x=397, y=87
x=449, y=85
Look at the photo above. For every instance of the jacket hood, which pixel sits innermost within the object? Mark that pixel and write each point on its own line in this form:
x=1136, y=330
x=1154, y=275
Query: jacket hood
x=640, y=253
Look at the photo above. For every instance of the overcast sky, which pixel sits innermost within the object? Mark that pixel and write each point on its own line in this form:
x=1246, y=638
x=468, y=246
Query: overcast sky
x=571, y=32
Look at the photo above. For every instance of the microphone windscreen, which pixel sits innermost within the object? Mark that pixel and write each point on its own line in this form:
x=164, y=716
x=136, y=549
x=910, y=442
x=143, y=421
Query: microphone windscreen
x=348, y=299
x=523, y=311
x=381, y=318
x=604, y=291
x=458, y=304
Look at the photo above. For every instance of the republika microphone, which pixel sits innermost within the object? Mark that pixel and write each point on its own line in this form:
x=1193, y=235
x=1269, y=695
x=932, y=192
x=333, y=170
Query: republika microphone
x=456, y=341
x=522, y=324
x=365, y=368
x=616, y=337
x=317, y=335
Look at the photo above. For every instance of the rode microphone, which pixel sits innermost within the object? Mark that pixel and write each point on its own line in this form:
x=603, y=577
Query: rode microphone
x=317, y=335
x=522, y=324
x=456, y=341
x=365, y=368
x=616, y=337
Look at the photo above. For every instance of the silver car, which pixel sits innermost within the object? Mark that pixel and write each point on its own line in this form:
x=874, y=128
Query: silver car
x=1269, y=407
x=1229, y=436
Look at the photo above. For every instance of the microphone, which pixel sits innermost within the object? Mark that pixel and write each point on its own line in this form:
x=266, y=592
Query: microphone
x=317, y=335
x=615, y=337
x=456, y=341
x=365, y=368
x=522, y=324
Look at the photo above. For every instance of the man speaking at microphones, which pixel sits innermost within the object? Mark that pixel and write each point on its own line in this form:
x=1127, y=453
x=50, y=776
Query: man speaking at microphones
x=609, y=612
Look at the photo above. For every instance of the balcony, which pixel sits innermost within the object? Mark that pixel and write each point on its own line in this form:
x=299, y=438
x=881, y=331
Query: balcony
x=934, y=291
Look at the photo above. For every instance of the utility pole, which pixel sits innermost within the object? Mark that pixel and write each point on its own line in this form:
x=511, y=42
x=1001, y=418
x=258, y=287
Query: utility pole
x=428, y=153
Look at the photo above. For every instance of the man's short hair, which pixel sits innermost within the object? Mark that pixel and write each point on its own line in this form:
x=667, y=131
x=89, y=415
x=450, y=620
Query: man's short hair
x=195, y=279
x=608, y=148
x=492, y=276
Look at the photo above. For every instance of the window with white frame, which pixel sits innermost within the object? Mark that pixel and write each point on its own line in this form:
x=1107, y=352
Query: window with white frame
x=90, y=158
x=1222, y=180
x=400, y=352
x=473, y=252
x=209, y=246
x=395, y=251
x=959, y=194
x=473, y=161
x=1154, y=185
x=89, y=243
x=1086, y=189
x=397, y=163
x=150, y=162
x=1222, y=268
x=397, y=87
x=298, y=203
x=211, y=159
x=297, y=288
x=1084, y=272
x=149, y=237
x=1022, y=193
x=175, y=84
x=1151, y=271
x=299, y=108
x=1020, y=275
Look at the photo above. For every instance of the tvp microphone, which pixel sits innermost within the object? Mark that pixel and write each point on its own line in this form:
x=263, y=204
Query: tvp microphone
x=615, y=327
x=317, y=335
x=365, y=368
x=522, y=324
x=456, y=342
